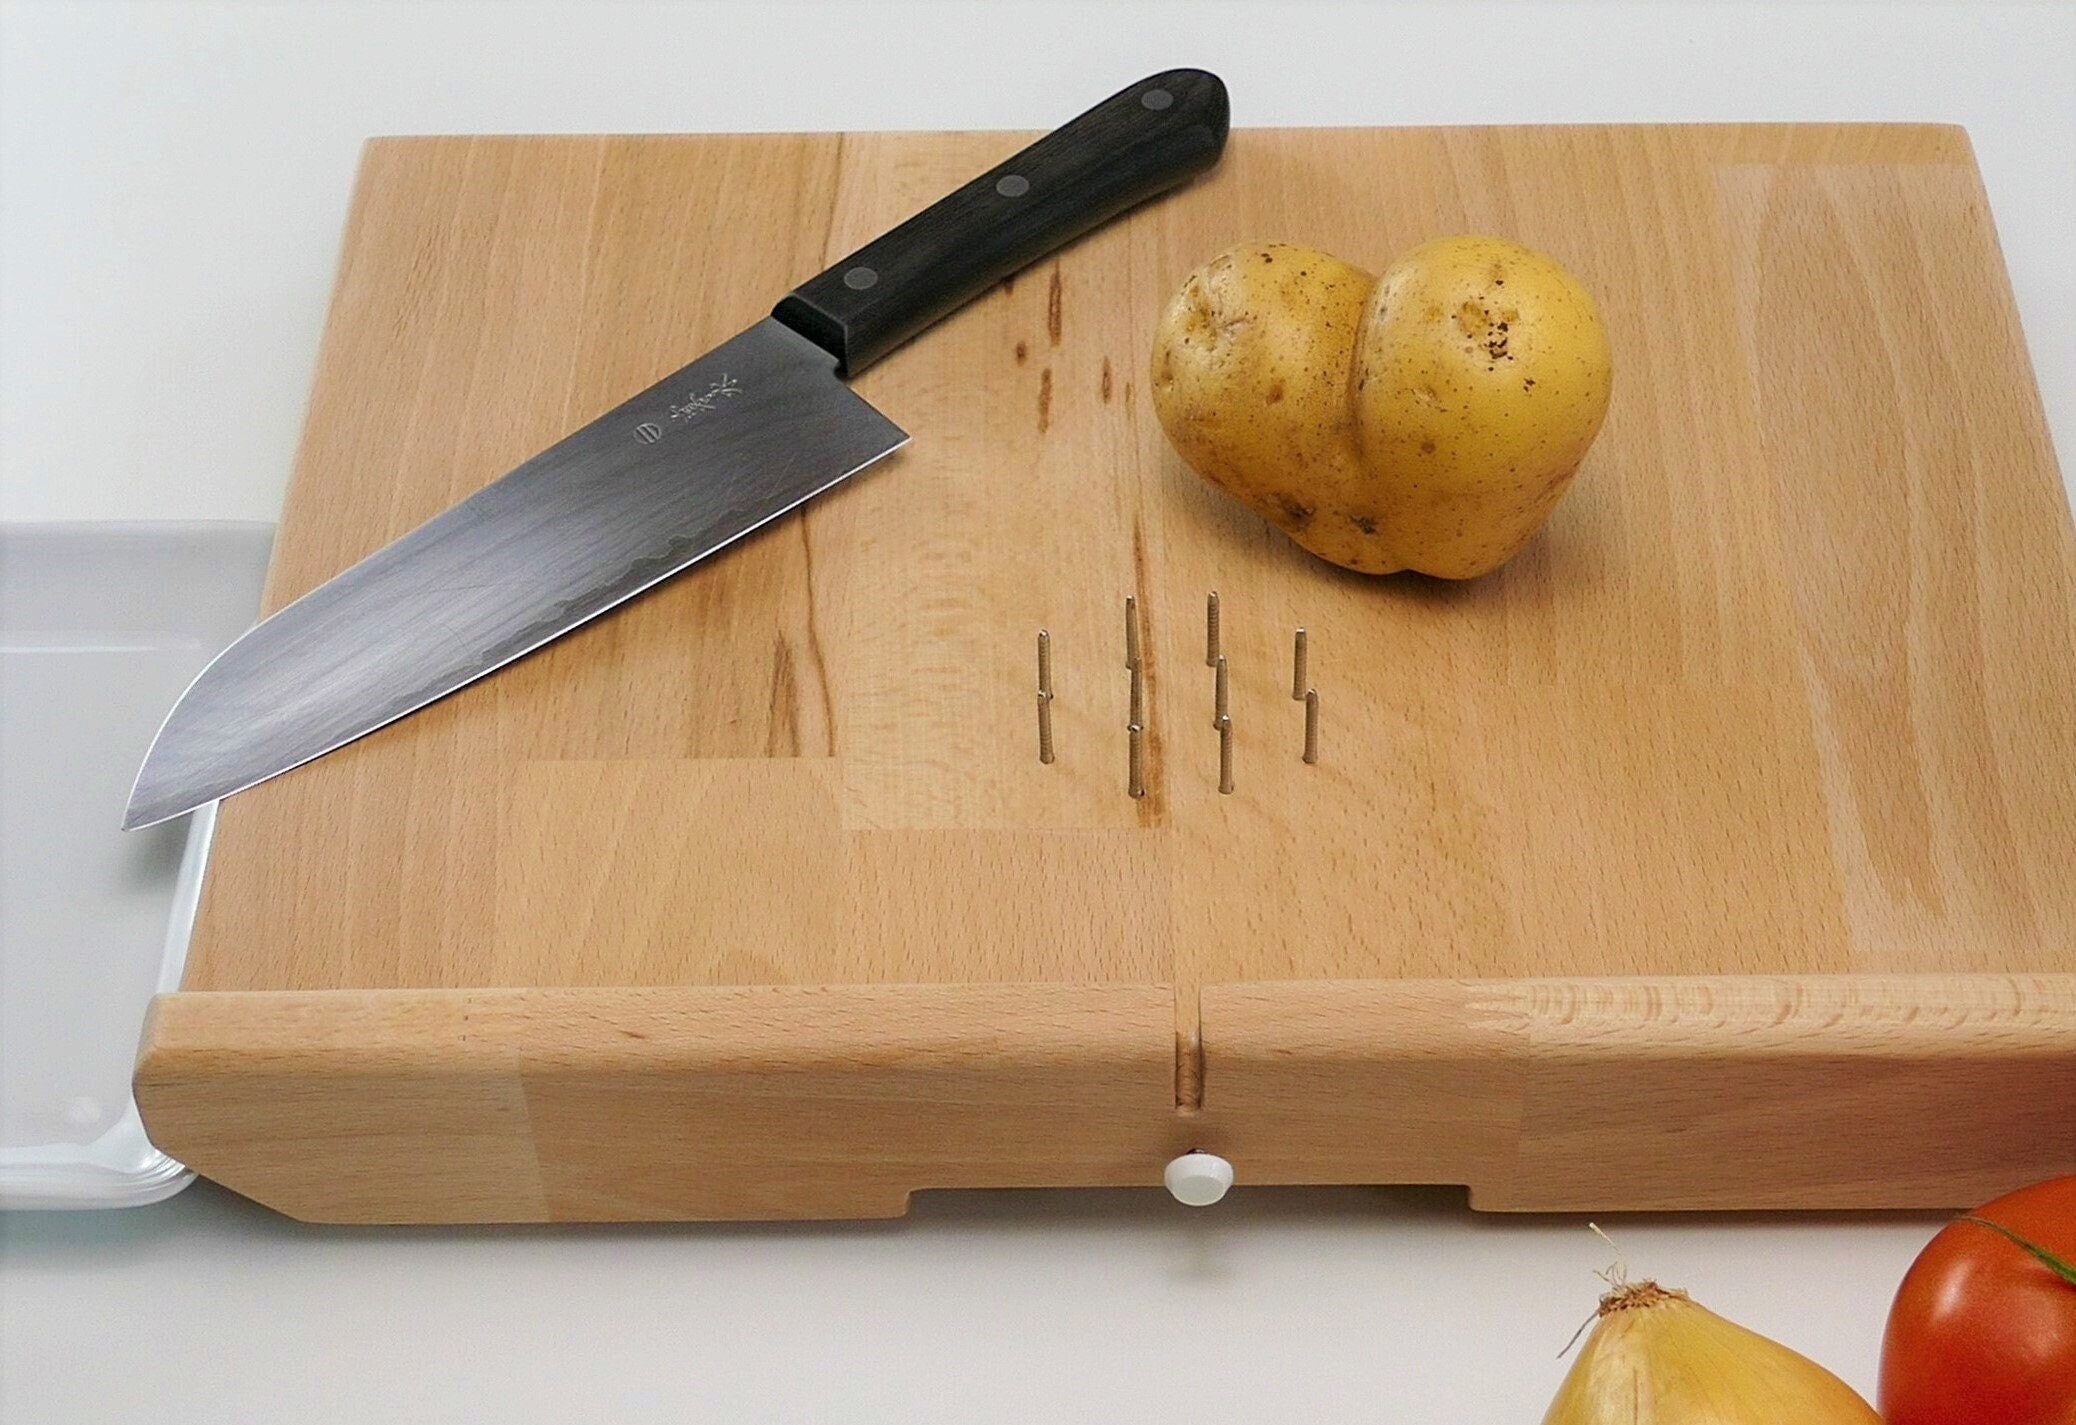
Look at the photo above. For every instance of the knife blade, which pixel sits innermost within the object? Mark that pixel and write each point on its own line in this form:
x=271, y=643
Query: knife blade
x=739, y=437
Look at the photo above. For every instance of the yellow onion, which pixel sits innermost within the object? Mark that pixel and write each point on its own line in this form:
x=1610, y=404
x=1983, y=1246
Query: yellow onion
x=1656, y=1358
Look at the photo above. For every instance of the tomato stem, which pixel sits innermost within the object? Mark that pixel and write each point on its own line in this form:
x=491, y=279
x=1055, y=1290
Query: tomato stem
x=2053, y=1263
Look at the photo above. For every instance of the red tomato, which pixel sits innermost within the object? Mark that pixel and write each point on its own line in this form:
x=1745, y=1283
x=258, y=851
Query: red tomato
x=1983, y=1332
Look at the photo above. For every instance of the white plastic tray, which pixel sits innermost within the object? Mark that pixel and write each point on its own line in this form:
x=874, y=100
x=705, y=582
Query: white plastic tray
x=101, y=627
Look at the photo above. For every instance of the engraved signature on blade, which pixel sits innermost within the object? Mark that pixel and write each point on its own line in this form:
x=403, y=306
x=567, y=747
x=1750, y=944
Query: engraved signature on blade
x=695, y=405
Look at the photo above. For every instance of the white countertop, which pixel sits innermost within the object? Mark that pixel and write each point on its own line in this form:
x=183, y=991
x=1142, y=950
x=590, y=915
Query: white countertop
x=173, y=180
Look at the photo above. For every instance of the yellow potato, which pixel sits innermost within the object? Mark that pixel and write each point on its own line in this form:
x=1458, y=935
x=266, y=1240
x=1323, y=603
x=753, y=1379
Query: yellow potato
x=1250, y=372
x=1429, y=420
x=1482, y=375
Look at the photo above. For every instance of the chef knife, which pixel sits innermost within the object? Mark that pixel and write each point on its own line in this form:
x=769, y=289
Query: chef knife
x=752, y=429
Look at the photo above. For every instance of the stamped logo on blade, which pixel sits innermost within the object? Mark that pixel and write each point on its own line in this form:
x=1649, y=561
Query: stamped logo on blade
x=695, y=404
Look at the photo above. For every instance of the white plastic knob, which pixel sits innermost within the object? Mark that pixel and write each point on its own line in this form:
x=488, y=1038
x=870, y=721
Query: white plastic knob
x=1198, y=1179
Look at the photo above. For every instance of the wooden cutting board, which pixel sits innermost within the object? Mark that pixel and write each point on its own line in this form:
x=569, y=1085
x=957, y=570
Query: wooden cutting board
x=1718, y=852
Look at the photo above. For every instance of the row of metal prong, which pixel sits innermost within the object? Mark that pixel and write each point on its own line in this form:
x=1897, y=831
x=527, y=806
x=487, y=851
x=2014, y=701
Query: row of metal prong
x=1301, y=687
x=1135, y=725
x=1221, y=697
x=1221, y=714
x=1045, y=748
x=1221, y=693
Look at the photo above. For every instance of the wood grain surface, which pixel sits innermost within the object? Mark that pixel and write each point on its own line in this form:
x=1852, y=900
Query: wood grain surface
x=762, y=1102
x=1846, y=1091
x=1787, y=688
x=601, y=1104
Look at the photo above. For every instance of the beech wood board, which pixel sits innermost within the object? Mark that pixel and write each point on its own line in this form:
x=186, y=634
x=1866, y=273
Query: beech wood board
x=1717, y=852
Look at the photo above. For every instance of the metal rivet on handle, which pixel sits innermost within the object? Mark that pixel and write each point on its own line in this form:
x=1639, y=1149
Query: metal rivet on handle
x=859, y=278
x=1012, y=185
x=1156, y=99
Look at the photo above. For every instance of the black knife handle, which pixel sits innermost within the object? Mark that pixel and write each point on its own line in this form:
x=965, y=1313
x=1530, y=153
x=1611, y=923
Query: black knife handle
x=1139, y=142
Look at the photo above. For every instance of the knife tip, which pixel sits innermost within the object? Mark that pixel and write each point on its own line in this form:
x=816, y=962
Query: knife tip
x=136, y=817
x=150, y=802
